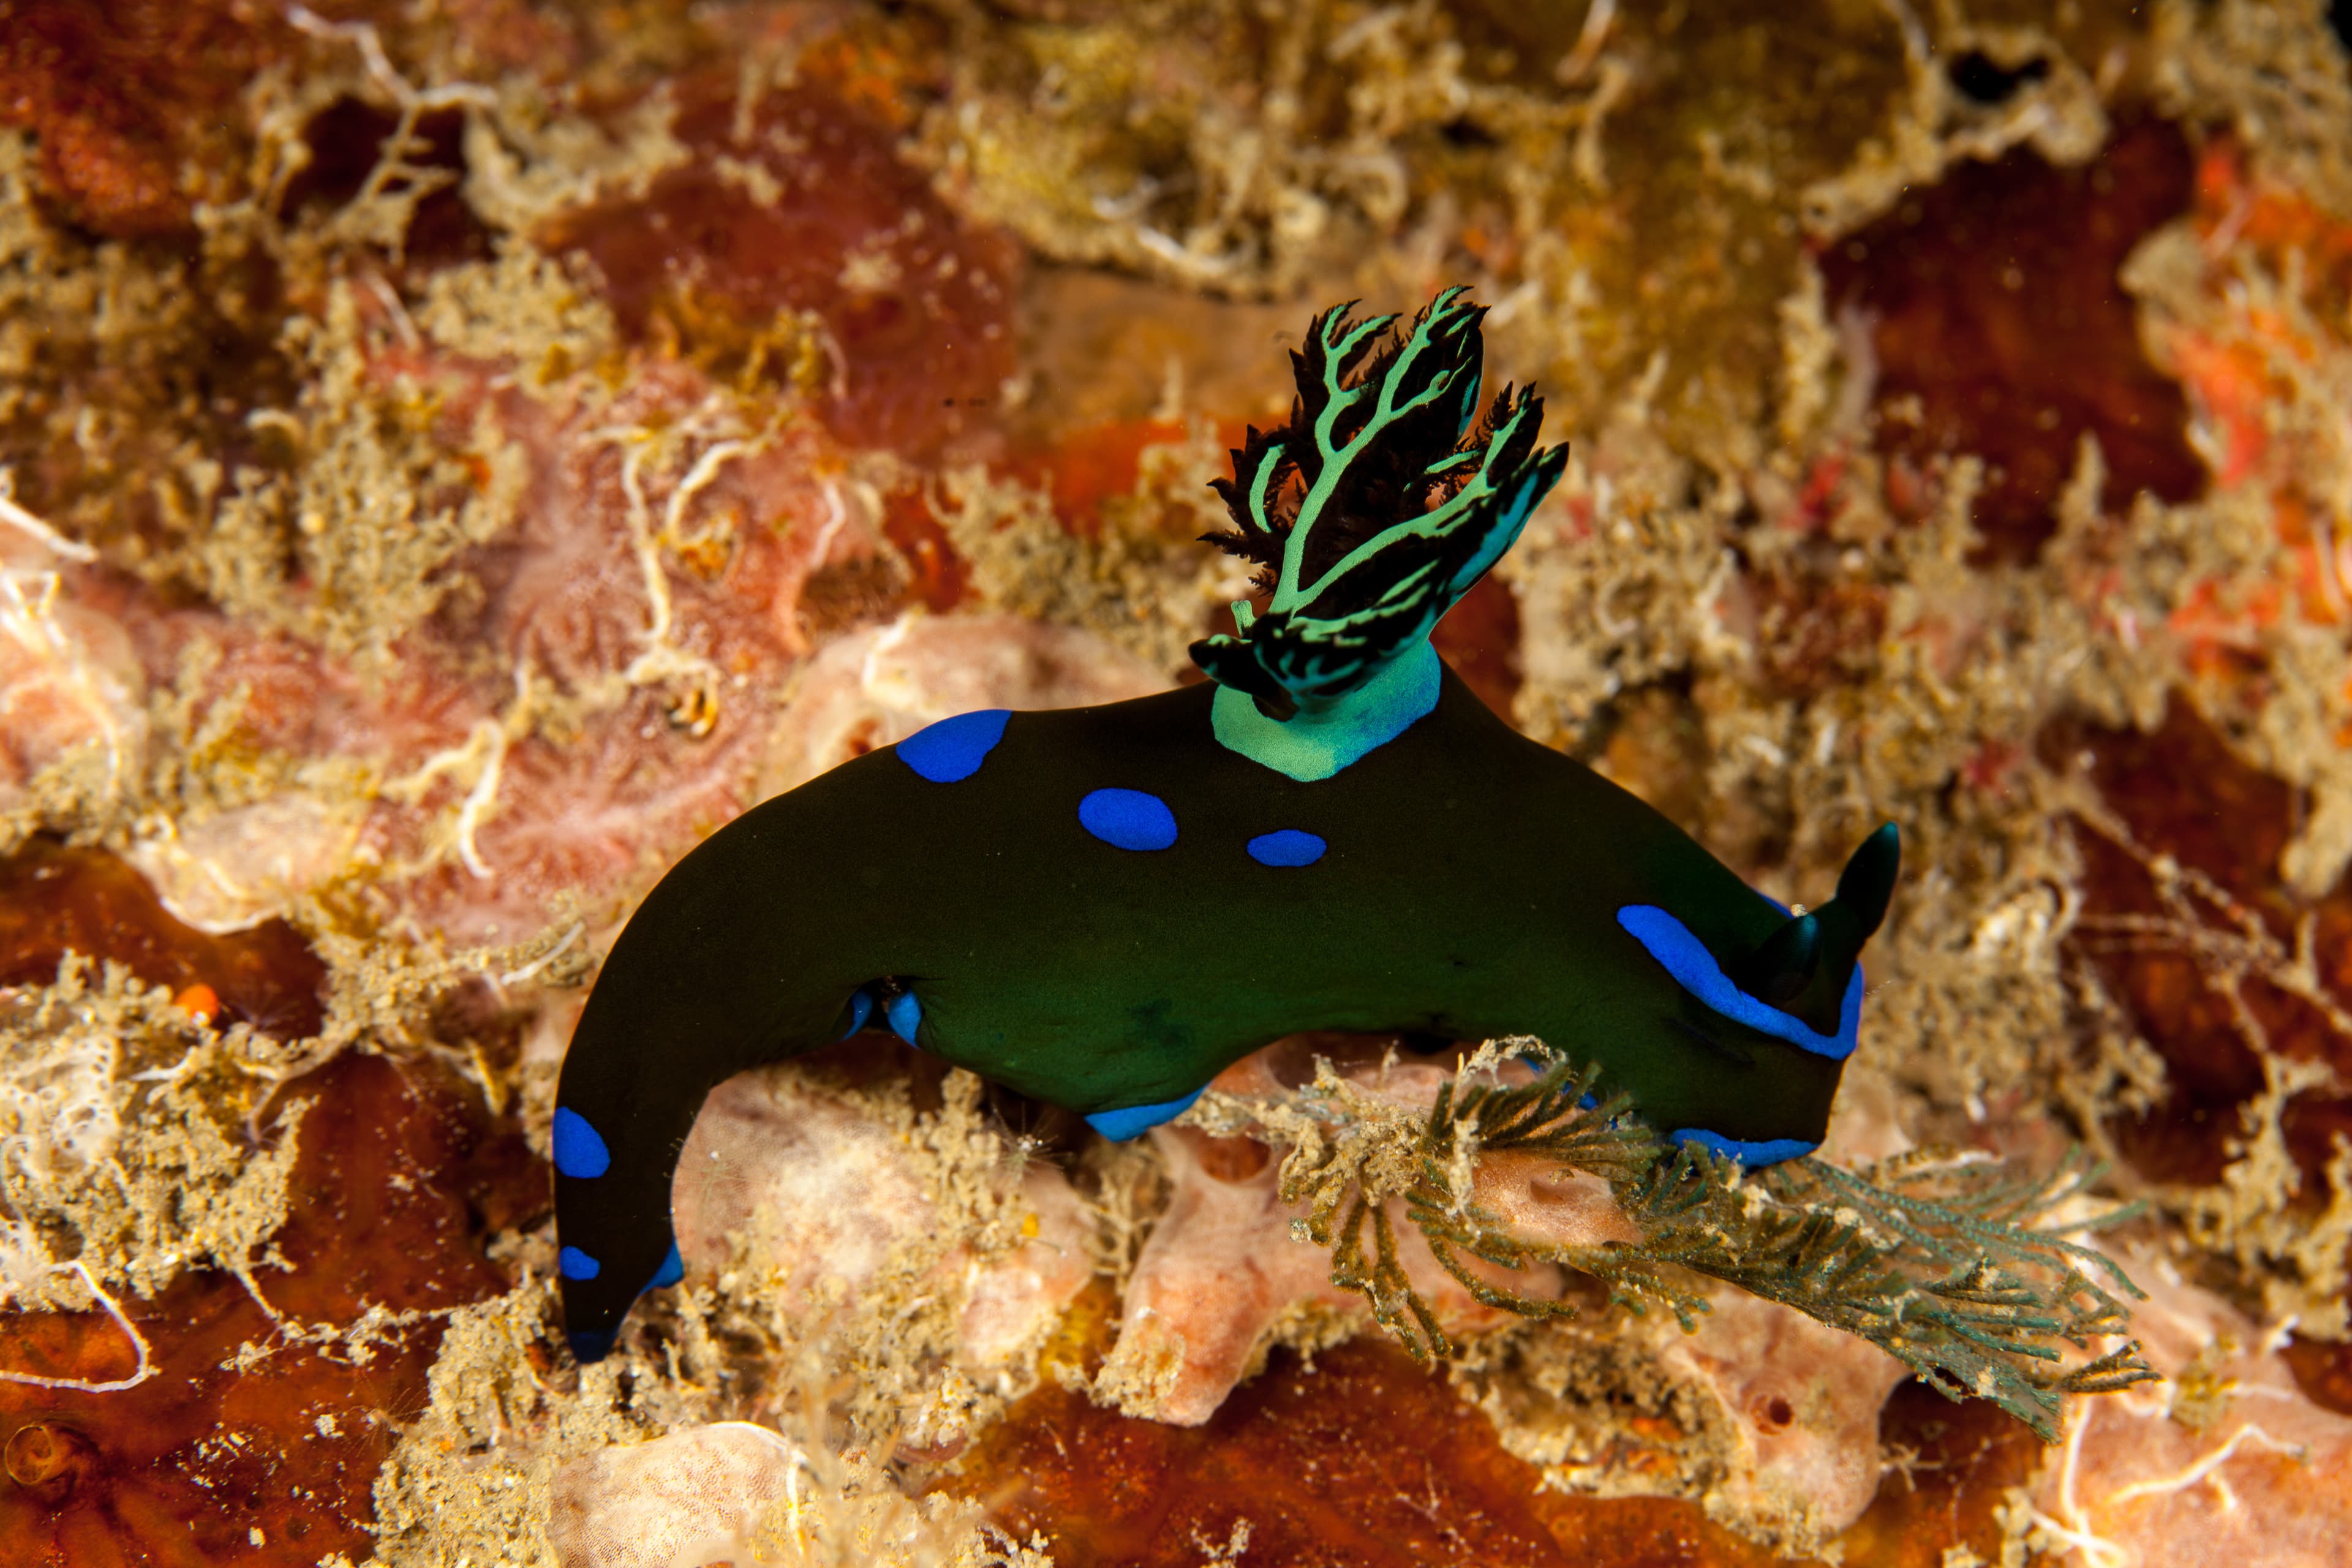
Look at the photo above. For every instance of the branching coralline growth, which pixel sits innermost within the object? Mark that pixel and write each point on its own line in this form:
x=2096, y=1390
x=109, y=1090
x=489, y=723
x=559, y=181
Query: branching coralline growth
x=1947, y=1262
x=1550, y=1117
x=1962, y=1270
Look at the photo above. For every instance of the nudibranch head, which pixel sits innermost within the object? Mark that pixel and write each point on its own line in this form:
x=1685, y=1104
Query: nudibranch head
x=1802, y=985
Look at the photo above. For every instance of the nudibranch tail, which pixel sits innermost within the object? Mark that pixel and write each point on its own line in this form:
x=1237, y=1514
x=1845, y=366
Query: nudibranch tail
x=695, y=991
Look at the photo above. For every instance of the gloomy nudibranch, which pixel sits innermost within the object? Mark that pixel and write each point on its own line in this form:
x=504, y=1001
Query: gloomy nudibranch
x=1102, y=908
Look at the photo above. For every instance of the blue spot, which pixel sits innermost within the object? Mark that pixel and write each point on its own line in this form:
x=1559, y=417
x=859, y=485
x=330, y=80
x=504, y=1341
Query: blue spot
x=590, y=1345
x=1689, y=961
x=952, y=749
x=579, y=1150
x=672, y=1271
x=1287, y=847
x=1127, y=819
x=906, y=1016
x=574, y=1264
x=1762, y=1152
x=1118, y=1126
x=861, y=1007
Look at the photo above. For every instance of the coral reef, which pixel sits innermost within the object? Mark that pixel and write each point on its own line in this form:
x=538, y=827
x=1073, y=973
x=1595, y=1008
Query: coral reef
x=456, y=458
x=695, y=1496
x=2187, y=1476
x=1964, y=365
x=843, y=1210
x=1220, y=1281
x=239, y=1412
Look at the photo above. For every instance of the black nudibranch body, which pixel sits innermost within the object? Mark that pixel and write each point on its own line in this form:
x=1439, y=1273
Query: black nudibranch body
x=1103, y=907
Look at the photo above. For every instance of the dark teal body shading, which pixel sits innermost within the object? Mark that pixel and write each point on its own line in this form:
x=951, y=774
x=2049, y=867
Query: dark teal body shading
x=1470, y=888
x=1103, y=907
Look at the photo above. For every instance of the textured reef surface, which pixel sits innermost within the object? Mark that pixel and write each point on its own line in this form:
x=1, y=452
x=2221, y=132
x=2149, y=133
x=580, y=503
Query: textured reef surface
x=455, y=458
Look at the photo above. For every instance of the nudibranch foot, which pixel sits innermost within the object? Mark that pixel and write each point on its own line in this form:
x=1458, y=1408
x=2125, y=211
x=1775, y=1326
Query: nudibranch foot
x=1749, y=1153
x=1135, y=1120
x=905, y=1014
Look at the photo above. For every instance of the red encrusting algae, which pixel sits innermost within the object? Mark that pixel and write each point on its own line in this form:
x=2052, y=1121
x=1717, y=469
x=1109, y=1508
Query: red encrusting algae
x=1363, y=1459
x=805, y=252
x=1951, y=1467
x=267, y=1456
x=1359, y=1457
x=2001, y=328
x=130, y=100
x=2204, y=831
x=2187, y=800
x=54, y=900
x=273, y=1401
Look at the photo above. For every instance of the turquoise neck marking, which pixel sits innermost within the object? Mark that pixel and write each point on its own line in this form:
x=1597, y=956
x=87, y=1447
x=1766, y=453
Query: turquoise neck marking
x=1317, y=743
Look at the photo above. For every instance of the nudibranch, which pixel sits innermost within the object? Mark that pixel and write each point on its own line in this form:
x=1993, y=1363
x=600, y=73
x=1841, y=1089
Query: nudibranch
x=1102, y=908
